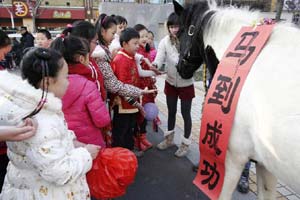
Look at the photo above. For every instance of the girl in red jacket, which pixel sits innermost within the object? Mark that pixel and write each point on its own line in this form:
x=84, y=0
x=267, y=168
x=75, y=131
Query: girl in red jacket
x=144, y=82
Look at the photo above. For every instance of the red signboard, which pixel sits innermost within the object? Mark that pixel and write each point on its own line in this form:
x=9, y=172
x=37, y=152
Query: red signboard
x=21, y=8
x=220, y=106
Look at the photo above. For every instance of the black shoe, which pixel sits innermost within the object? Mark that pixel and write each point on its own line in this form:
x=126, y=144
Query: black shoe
x=195, y=168
x=243, y=185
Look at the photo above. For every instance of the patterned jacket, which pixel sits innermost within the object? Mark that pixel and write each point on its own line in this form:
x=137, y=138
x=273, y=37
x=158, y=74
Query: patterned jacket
x=111, y=82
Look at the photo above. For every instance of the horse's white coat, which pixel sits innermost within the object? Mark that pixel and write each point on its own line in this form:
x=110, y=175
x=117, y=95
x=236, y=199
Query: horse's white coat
x=267, y=121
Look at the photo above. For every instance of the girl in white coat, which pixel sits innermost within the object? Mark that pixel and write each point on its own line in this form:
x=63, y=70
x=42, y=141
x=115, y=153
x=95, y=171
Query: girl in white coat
x=175, y=88
x=46, y=166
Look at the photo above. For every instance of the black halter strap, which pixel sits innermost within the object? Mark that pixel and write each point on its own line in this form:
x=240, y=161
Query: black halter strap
x=197, y=39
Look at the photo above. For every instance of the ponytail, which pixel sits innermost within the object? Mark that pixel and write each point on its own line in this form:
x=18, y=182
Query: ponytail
x=71, y=46
x=104, y=22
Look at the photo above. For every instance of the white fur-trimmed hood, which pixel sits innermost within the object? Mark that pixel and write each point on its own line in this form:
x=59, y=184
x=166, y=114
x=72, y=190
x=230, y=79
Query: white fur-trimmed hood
x=98, y=52
x=18, y=97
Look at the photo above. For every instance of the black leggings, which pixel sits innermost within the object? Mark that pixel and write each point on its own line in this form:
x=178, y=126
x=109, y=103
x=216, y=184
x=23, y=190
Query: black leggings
x=185, y=111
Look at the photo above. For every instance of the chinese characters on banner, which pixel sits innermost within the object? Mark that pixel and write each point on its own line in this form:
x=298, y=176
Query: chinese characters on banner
x=220, y=105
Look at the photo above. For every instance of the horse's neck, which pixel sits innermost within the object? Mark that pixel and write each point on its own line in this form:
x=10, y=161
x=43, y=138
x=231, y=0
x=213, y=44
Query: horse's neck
x=224, y=25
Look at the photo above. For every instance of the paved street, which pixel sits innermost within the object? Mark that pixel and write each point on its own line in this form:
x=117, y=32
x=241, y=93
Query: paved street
x=162, y=176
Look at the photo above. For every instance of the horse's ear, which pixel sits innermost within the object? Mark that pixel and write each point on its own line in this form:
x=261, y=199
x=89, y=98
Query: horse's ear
x=177, y=7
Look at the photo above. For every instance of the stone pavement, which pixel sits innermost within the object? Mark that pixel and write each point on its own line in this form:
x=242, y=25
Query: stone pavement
x=283, y=191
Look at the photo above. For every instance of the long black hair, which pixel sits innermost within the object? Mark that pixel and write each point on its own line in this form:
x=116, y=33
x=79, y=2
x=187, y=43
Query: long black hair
x=104, y=22
x=38, y=64
x=173, y=19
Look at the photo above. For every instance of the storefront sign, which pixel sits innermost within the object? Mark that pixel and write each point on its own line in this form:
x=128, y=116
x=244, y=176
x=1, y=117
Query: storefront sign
x=20, y=9
x=62, y=14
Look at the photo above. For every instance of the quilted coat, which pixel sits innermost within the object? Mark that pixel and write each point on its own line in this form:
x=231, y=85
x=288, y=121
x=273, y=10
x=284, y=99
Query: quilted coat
x=46, y=166
x=85, y=111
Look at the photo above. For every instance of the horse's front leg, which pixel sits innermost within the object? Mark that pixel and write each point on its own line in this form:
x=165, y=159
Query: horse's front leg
x=266, y=183
x=233, y=170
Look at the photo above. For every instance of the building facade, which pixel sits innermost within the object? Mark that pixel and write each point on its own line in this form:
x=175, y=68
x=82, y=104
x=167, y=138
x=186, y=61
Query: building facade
x=56, y=14
x=46, y=13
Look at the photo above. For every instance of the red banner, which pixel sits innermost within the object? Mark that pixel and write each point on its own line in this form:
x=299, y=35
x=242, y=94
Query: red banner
x=220, y=105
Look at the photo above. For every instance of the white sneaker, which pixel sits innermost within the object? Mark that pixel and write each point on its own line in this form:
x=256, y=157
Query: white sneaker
x=167, y=142
x=184, y=147
x=182, y=150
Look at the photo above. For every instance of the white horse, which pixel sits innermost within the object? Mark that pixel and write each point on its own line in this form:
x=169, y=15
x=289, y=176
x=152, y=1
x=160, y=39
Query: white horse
x=266, y=126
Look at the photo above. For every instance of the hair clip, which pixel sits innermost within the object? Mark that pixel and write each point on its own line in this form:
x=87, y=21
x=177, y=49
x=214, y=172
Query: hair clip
x=62, y=36
x=42, y=53
x=104, y=19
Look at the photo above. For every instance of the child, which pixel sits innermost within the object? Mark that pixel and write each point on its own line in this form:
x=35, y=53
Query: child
x=83, y=107
x=43, y=38
x=125, y=69
x=145, y=82
x=10, y=133
x=46, y=166
x=86, y=30
x=106, y=27
x=115, y=45
x=152, y=47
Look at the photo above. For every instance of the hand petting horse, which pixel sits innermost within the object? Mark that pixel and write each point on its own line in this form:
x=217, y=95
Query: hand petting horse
x=266, y=126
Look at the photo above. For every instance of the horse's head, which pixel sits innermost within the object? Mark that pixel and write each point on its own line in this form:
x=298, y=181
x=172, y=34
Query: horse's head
x=191, y=21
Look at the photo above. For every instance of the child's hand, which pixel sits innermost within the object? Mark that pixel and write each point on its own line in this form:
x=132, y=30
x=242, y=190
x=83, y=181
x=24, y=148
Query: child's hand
x=18, y=133
x=156, y=71
x=147, y=91
x=30, y=122
x=141, y=109
x=93, y=150
x=147, y=61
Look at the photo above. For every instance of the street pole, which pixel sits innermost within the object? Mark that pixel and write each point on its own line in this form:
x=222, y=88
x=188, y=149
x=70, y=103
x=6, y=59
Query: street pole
x=11, y=16
x=12, y=20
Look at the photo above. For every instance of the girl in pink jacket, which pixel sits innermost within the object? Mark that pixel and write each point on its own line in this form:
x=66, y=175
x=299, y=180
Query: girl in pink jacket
x=83, y=107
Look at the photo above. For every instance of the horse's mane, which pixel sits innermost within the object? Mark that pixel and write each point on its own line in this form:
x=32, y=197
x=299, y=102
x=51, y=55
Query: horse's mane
x=225, y=24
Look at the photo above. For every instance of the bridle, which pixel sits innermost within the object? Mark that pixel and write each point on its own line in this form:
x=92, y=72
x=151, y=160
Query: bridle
x=187, y=58
x=196, y=39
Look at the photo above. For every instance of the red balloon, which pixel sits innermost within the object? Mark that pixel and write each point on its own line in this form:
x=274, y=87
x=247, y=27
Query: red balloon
x=113, y=170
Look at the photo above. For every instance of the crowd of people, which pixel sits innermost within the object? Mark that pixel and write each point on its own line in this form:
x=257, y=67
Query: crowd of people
x=79, y=93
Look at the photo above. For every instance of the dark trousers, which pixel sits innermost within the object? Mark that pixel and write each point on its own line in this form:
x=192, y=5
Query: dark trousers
x=142, y=127
x=185, y=111
x=124, y=128
x=3, y=164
